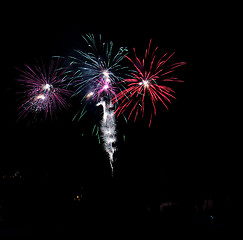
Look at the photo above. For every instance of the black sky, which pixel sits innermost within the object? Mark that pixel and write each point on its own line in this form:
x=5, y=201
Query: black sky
x=184, y=146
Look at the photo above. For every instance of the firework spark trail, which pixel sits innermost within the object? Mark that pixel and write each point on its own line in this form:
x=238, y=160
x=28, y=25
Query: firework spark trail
x=108, y=128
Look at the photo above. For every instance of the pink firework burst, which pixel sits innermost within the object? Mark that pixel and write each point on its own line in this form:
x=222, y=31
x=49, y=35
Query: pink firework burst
x=147, y=82
x=103, y=87
x=43, y=89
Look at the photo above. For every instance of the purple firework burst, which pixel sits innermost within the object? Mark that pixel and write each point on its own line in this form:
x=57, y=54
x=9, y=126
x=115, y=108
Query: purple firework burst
x=43, y=89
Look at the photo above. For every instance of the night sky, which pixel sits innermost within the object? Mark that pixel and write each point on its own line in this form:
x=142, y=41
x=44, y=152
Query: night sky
x=187, y=153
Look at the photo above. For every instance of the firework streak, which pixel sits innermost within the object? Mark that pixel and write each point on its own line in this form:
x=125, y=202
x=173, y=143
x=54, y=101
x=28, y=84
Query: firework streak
x=108, y=128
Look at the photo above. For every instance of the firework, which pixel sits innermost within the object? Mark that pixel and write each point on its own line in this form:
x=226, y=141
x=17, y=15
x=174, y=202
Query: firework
x=97, y=76
x=108, y=129
x=97, y=72
x=147, y=84
x=43, y=89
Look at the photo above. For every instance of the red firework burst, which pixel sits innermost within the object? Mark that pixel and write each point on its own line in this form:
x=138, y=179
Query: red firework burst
x=147, y=82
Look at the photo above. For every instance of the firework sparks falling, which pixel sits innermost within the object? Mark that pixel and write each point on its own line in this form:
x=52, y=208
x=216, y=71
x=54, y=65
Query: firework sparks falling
x=108, y=129
x=44, y=90
x=147, y=83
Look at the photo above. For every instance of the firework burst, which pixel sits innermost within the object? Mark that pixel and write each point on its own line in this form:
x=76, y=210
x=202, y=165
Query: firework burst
x=147, y=83
x=97, y=72
x=43, y=89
